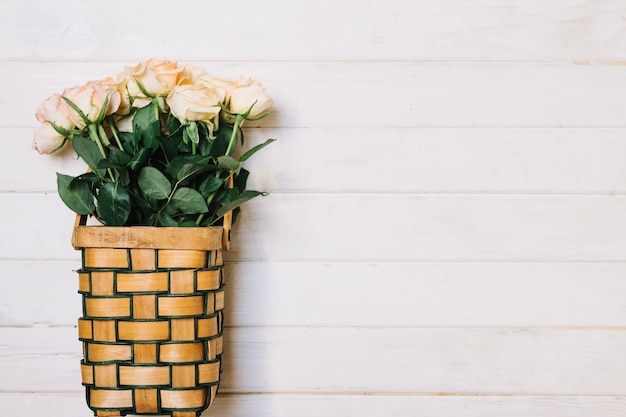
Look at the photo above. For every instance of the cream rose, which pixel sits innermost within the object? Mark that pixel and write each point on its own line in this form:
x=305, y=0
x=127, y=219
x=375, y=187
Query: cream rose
x=222, y=84
x=90, y=99
x=195, y=102
x=246, y=93
x=47, y=139
x=131, y=89
x=191, y=74
x=157, y=78
x=119, y=84
x=53, y=110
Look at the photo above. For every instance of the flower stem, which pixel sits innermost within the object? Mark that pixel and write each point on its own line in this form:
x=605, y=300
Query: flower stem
x=157, y=113
x=93, y=134
x=115, y=135
x=103, y=136
x=233, y=137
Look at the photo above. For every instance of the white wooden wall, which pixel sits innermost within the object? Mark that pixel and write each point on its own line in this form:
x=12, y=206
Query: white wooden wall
x=446, y=230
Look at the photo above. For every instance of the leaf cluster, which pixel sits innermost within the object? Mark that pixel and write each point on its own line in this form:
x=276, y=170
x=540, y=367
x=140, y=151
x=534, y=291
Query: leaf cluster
x=161, y=174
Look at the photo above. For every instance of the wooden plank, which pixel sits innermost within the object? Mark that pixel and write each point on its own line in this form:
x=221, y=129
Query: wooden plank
x=364, y=360
x=363, y=294
x=288, y=405
x=539, y=161
x=425, y=294
x=380, y=94
x=550, y=161
x=316, y=227
x=407, y=406
x=26, y=170
x=321, y=30
x=41, y=293
x=432, y=228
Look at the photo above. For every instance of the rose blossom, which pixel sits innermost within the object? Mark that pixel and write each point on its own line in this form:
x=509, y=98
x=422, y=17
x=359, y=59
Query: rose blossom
x=131, y=89
x=47, y=139
x=195, y=102
x=90, y=99
x=53, y=110
x=157, y=78
x=191, y=74
x=245, y=93
x=224, y=84
x=123, y=118
x=119, y=84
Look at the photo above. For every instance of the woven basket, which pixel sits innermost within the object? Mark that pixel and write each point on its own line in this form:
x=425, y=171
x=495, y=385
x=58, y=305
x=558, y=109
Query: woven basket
x=152, y=317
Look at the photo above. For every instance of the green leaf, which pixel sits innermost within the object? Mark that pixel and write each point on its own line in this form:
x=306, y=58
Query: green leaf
x=190, y=170
x=169, y=148
x=117, y=160
x=255, y=149
x=243, y=197
x=113, y=204
x=147, y=126
x=174, y=127
x=241, y=179
x=228, y=195
x=189, y=201
x=220, y=144
x=75, y=194
x=184, y=165
x=89, y=152
x=166, y=220
x=170, y=210
x=210, y=185
x=139, y=159
x=227, y=162
x=188, y=222
x=154, y=184
x=143, y=211
x=176, y=165
x=146, y=120
x=90, y=178
x=128, y=142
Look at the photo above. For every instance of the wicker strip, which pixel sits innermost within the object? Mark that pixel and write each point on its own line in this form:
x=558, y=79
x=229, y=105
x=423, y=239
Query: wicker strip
x=152, y=319
x=143, y=282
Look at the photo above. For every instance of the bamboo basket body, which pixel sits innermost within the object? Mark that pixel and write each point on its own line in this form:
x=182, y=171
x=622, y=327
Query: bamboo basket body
x=152, y=318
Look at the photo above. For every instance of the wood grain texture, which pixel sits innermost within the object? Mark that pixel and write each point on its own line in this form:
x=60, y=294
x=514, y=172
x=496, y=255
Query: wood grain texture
x=445, y=230
x=320, y=30
x=288, y=405
x=379, y=94
x=144, y=237
x=365, y=360
x=433, y=228
x=363, y=160
x=425, y=294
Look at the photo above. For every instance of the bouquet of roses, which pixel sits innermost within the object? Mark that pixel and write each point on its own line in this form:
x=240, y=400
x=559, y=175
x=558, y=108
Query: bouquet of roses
x=159, y=142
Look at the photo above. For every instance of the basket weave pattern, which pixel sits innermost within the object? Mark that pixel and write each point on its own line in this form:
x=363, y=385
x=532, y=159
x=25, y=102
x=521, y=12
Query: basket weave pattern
x=152, y=324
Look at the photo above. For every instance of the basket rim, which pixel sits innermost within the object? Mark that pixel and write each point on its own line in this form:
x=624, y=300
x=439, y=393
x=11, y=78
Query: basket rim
x=150, y=237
